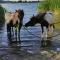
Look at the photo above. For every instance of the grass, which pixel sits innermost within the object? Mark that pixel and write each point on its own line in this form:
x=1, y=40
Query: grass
x=57, y=18
x=52, y=5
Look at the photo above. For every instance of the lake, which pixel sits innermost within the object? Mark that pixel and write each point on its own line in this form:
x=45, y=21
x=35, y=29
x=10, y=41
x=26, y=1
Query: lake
x=30, y=37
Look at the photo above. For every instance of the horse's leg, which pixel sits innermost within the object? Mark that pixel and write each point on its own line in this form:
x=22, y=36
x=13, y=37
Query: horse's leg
x=13, y=31
x=9, y=33
x=49, y=35
x=50, y=30
x=12, y=34
x=17, y=32
x=46, y=32
x=43, y=42
x=52, y=27
x=20, y=25
x=15, y=27
x=44, y=36
x=42, y=31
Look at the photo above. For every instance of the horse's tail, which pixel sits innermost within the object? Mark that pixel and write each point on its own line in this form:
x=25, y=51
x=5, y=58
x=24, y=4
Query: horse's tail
x=53, y=26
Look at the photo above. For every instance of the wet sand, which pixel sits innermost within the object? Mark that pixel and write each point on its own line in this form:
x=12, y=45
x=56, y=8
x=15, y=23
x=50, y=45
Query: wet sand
x=11, y=54
x=31, y=49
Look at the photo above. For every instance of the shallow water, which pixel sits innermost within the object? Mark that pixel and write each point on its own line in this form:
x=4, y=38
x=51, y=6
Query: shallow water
x=30, y=41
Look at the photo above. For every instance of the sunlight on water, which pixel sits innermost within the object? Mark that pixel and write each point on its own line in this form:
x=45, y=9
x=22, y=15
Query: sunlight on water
x=30, y=43
x=30, y=38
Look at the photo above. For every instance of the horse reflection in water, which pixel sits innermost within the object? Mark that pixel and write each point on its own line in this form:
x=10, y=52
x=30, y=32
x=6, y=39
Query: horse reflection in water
x=46, y=20
x=14, y=22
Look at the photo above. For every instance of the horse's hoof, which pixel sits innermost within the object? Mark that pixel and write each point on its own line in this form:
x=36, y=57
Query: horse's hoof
x=49, y=37
x=45, y=43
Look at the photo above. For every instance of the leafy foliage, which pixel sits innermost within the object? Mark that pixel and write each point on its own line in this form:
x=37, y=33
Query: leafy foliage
x=49, y=5
x=2, y=16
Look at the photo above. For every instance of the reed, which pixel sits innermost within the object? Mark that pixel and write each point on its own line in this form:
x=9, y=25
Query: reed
x=52, y=5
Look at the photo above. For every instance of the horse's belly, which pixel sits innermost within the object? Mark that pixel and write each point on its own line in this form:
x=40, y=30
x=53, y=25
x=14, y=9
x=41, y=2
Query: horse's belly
x=49, y=18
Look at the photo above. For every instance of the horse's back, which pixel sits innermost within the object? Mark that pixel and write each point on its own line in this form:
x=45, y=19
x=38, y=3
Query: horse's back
x=7, y=17
x=45, y=16
x=49, y=18
x=40, y=15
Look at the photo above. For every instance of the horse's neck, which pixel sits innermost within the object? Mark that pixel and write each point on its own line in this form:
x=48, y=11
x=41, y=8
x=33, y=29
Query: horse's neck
x=21, y=15
x=40, y=17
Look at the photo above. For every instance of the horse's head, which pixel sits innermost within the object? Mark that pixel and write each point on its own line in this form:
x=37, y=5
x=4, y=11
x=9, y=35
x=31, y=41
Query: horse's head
x=32, y=21
x=21, y=13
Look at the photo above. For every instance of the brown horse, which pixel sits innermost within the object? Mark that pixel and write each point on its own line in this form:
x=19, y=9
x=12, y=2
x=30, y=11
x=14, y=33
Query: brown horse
x=14, y=20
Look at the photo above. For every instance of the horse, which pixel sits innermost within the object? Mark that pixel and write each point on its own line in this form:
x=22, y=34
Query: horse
x=21, y=16
x=42, y=18
x=14, y=19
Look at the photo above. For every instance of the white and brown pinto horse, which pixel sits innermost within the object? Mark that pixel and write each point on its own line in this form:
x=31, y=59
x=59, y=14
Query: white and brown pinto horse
x=46, y=21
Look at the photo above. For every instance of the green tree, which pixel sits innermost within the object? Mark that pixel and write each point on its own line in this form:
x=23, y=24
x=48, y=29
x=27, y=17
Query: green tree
x=2, y=16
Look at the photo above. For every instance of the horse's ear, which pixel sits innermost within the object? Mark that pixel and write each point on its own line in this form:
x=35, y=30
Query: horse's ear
x=22, y=9
x=33, y=14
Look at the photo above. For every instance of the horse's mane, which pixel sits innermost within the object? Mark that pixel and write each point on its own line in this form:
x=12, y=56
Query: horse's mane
x=40, y=15
x=21, y=14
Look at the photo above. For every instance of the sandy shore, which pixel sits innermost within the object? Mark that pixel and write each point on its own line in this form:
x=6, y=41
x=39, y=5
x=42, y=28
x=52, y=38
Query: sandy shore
x=12, y=54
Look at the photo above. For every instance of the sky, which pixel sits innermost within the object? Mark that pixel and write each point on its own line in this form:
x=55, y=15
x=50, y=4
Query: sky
x=22, y=0
x=11, y=0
